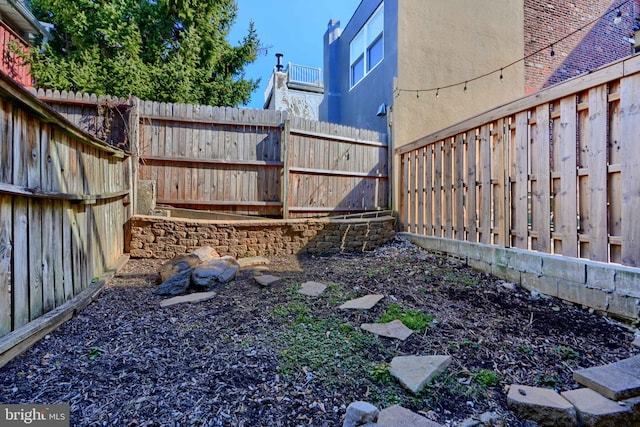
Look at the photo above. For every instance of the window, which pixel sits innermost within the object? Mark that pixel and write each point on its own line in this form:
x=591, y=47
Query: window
x=367, y=47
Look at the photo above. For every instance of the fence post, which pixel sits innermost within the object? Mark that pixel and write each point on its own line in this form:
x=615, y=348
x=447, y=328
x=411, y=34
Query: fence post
x=134, y=134
x=286, y=136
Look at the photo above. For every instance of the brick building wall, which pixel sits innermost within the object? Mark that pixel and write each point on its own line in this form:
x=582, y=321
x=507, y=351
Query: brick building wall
x=161, y=237
x=595, y=45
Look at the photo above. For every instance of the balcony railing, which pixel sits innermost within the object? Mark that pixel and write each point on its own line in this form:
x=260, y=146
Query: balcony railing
x=299, y=77
x=306, y=76
x=11, y=63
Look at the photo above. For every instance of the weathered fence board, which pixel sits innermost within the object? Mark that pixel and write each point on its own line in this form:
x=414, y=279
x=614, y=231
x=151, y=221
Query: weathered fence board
x=54, y=235
x=259, y=162
x=556, y=172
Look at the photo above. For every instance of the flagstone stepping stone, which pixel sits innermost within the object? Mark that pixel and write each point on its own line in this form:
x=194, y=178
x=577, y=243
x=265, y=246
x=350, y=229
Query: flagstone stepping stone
x=619, y=380
x=594, y=409
x=541, y=405
x=414, y=372
x=312, y=289
x=363, y=303
x=397, y=416
x=395, y=329
x=266, y=280
x=192, y=298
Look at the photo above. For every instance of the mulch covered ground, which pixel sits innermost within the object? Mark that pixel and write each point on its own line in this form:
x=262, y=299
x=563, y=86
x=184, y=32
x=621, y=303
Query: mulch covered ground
x=242, y=359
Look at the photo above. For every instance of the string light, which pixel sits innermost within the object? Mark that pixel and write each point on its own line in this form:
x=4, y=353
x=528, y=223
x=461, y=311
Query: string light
x=618, y=18
x=618, y=15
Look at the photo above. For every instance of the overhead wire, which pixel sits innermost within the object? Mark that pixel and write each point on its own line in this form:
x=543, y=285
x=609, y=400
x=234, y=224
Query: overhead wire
x=437, y=89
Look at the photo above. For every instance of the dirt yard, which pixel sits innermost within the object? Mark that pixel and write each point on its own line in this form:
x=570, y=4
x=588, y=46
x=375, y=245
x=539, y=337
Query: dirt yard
x=256, y=356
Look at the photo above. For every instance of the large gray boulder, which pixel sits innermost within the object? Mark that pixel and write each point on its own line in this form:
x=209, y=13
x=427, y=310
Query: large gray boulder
x=177, y=284
x=214, y=272
x=178, y=264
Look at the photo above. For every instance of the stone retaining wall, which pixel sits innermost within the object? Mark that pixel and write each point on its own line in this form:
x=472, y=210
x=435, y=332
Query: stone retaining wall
x=161, y=237
x=610, y=289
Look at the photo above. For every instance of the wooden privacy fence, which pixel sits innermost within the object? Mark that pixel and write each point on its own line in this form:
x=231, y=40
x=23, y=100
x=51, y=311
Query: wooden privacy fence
x=556, y=172
x=62, y=212
x=258, y=161
x=105, y=117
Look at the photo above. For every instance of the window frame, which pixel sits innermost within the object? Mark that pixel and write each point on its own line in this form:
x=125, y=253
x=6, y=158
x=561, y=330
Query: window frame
x=368, y=42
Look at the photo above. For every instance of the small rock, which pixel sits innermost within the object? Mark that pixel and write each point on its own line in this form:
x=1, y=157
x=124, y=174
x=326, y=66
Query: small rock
x=359, y=413
x=491, y=419
x=509, y=286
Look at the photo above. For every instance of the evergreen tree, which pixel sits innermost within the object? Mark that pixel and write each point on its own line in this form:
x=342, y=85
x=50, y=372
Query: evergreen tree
x=162, y=50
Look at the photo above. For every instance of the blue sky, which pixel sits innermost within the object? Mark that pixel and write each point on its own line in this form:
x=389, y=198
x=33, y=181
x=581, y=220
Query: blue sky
x=292, y=27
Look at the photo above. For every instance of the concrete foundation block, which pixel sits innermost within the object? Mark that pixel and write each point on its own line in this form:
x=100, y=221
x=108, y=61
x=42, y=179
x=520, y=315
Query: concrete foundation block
x=600, y=276
x=483, y=266
x=627, y=281
x=425, y=242
x=571, y=291
x=526, y=262
x=623, y=306
x=564, y=268
x=530, y=281
x=450, y=246
x=548, y=285
x=501, y=256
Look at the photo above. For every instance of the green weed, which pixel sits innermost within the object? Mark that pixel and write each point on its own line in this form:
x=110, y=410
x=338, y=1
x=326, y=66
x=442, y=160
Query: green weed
x=487, y=378
x=566, y=353
x=334, y=351
x=412, y=319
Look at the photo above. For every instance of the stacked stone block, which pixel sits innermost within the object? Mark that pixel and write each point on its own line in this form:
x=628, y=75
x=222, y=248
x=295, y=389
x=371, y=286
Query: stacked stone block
x=161, y=237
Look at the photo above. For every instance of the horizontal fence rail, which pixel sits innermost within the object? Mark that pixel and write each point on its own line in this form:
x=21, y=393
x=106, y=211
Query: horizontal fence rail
x=62, y=212
x=556, y=172
x=259, y=161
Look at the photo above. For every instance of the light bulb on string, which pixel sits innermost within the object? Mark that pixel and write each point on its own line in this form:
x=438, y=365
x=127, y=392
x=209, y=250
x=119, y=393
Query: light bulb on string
x=618, y=18
x=501, y=76
x=438, y=93
x=465, y=86
x=417, y=94
x=553, y=52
